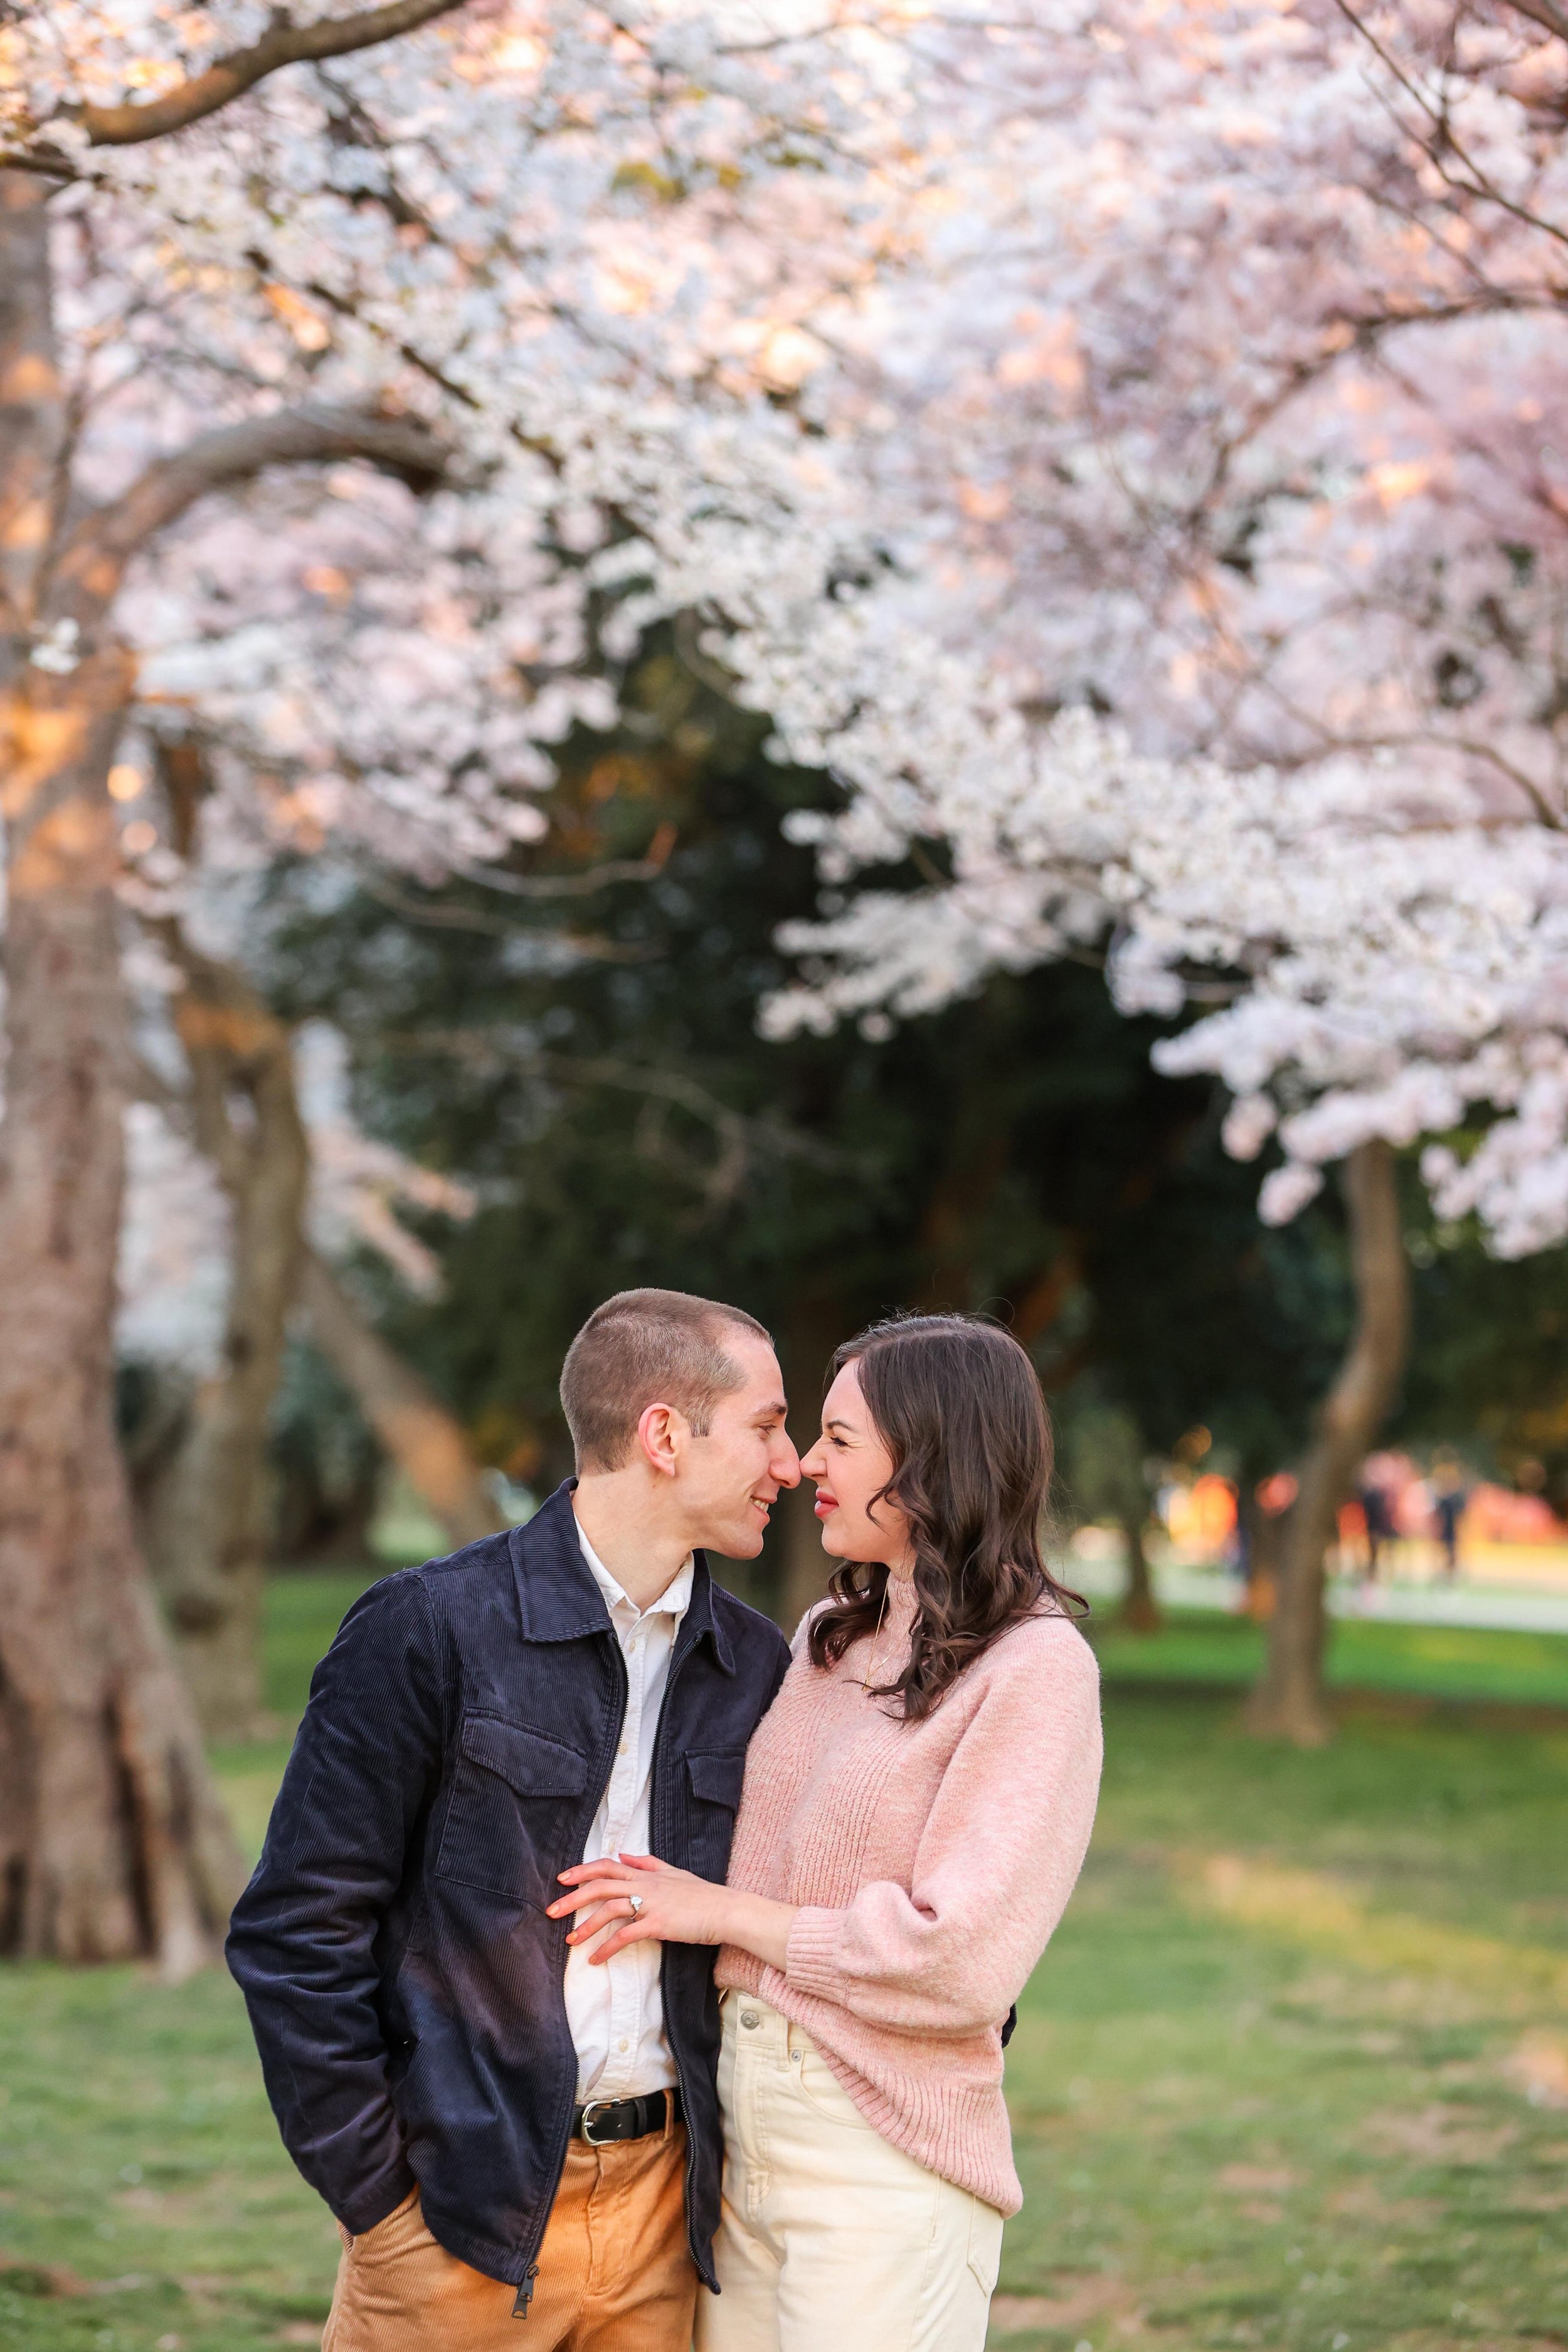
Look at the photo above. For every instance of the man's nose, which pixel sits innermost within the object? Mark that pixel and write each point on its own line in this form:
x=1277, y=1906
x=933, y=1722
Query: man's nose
x=785, y=1466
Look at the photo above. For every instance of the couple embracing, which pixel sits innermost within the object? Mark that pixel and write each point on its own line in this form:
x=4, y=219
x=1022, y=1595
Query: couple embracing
x=624, y=1977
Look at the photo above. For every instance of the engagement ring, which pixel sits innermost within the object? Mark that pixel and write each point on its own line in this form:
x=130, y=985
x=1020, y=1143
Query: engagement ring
x=636, y=1903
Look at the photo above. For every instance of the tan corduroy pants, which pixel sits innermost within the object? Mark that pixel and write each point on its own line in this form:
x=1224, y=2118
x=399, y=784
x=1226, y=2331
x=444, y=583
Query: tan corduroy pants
x=614, y=2275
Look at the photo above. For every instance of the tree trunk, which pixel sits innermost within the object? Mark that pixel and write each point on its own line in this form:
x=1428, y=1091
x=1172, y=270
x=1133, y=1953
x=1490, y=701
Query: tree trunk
x=1263, y=1532
x=1290, y=1701
x=805, y=1566
x=15, y=1826
x=117, y=1843
x=208, y=1524
x=125, y=1848
x=1140, y=1610
x=815, y=1324
x=422, y=1437
x=32, y=406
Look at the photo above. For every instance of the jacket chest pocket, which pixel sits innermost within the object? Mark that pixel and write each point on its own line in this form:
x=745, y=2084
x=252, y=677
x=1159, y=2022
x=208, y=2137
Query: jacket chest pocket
x=712, y=1796
x=516, y=1800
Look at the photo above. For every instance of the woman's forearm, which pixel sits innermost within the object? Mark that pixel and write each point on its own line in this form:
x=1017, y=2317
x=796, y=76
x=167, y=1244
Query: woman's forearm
x=675, y=1907
x=758, y=1925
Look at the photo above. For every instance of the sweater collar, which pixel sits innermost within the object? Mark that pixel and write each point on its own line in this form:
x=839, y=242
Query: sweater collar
x=888, y=1641
x=903, y=1604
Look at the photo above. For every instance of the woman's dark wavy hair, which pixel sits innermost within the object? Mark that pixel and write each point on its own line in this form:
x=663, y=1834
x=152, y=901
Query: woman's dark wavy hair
x=957, y=1403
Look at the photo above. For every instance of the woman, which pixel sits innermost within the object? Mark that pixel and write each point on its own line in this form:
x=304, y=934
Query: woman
x=916, y=1807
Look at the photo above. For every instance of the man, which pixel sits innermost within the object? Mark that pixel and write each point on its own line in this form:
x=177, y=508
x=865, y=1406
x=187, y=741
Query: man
x=504, y=2133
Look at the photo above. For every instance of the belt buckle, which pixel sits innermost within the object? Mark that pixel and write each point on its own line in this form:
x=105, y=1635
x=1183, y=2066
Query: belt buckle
x=593, y=2108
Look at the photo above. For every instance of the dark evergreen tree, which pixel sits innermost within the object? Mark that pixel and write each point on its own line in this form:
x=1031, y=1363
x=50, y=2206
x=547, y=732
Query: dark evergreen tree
x=591, y=1061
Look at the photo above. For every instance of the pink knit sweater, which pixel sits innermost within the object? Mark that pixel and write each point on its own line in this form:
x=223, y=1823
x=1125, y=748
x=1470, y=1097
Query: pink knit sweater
x=932, y=1861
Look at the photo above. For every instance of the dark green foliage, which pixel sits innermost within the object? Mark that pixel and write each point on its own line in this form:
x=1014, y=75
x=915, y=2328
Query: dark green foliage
x=593, y=1062
x=626, y=1124
x=1490, y=1364
x=325, y=1463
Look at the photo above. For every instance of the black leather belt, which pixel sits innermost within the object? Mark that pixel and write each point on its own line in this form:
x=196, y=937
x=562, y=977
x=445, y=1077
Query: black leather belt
x=602, y=2120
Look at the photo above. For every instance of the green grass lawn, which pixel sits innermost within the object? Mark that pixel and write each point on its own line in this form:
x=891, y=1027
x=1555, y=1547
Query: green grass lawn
x=1294, y=2073
x=1429, y=1661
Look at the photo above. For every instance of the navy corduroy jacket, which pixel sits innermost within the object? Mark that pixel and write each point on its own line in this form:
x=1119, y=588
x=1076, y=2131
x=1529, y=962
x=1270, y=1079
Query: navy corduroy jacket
x=404, y=1986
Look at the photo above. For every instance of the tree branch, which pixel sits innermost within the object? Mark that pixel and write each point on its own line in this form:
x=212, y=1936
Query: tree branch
x=1443, y=134
x=1545, y=14
x=93, y=561
x=582, y=884
x=504, y=1047
x=228, y=78
x=587, y=947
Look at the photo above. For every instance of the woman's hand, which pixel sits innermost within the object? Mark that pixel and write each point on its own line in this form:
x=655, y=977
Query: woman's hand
x=676, y=1907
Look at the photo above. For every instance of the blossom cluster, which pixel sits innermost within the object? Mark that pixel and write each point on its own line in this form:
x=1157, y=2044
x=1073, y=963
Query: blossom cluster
x=1124, y=444
x=580, y=246
x=1244, y=482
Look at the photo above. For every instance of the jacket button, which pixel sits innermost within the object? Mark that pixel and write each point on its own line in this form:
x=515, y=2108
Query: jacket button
x=749, y=2017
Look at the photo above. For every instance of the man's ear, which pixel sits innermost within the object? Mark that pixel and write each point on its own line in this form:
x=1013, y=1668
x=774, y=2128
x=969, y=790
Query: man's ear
x=663, y=1434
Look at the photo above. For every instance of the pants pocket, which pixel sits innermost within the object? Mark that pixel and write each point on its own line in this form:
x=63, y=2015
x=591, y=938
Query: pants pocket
x=985, y=2243
x=823, y=2092
x=403, y=2227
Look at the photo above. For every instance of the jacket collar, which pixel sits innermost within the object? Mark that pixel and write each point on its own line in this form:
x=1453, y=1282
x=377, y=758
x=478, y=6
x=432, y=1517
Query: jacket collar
x=558, y=1599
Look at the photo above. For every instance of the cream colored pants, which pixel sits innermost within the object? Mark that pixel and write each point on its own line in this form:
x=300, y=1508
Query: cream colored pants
x=831, y=2236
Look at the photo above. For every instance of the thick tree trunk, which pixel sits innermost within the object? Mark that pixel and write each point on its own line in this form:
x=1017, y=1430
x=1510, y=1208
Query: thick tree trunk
x=124, y=1848
x=1290, y=1701
x=422, y=1437
x=114, y=1841
x=1140, y=1610
x=208, y=1524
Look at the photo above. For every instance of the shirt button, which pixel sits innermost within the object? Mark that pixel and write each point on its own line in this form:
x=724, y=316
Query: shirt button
x=749, y=2018
x=626, y=2045
x=622, y=1748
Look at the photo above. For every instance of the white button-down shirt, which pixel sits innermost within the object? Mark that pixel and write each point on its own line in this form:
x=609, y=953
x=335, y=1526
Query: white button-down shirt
x=616, y=2012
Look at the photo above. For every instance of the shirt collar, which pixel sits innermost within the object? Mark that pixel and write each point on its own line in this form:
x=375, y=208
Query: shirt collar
x=673, y=1601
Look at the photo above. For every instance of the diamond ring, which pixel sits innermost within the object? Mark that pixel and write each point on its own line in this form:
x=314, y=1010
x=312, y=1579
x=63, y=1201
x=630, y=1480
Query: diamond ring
x=636, y=1902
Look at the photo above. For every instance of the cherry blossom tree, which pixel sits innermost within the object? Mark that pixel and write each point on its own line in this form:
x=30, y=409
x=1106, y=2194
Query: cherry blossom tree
x=1185, y=375
x=1243, y=494
x=550, y=258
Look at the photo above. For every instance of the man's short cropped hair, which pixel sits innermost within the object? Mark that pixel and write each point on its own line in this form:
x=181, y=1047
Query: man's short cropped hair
x=643, y=1348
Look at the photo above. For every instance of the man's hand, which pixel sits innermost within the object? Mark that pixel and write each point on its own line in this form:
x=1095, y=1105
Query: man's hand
x=675, y=1907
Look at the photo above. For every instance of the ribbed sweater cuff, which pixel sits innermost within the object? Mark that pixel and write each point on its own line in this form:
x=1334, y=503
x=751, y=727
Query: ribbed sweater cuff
x=811, y=1956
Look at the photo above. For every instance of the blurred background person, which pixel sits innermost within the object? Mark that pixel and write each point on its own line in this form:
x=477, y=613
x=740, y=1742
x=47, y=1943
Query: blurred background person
x=1449, y=1496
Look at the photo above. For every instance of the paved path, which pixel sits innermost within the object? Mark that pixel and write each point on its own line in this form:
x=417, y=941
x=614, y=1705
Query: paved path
x=1180, y=1587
